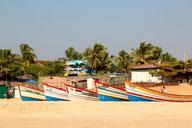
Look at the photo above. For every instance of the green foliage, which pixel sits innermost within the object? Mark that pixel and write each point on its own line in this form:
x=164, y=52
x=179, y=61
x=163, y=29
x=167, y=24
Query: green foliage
x=124, y=61
x=183, y=69
x=167, y=58
x=33, y=70
x=54, y=68
x=28, y=55
x=163, y=73
x=146, y=53
x=12, y=65
x=71, y=54
x=112, y=64
x=97, y=57
x=16, y=67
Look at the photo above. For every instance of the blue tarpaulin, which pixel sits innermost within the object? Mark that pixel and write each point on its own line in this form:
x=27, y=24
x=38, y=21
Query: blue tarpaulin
x=30, y=81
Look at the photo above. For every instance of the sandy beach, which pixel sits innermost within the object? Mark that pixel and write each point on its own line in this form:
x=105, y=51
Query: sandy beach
x=18, y=114
x=181, y=89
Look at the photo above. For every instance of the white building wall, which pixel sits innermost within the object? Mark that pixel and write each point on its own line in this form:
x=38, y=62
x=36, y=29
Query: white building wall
x=90, y=84
x=17, y=95
x=144, y=76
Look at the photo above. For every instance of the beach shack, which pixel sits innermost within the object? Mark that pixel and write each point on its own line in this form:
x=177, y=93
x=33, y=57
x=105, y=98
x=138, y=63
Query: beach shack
x=141, y=73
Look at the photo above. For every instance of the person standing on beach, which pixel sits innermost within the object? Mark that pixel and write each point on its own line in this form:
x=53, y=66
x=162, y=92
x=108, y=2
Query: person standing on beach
x=164, y=89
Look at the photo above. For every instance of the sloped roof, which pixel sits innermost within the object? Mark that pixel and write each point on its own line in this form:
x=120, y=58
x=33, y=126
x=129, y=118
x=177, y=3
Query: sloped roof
x=147, y=66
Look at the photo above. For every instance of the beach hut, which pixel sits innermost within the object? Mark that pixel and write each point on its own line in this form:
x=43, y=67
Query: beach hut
x=141, y=73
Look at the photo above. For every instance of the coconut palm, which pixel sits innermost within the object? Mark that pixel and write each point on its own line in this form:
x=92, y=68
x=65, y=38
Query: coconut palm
x=87, y=53
x=5, y=57
x=28, y=54
x=97, y=56
x=111, y=64
x=16, y=66
x=124, y=61
x=167, y=58
x=71, y=54
x=145, y=53
x=10, y=64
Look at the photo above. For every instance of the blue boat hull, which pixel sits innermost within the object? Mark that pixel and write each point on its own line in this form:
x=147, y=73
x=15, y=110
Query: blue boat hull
x=137, y=98
x=49, y=98
x=29, y=99
x=108, y=98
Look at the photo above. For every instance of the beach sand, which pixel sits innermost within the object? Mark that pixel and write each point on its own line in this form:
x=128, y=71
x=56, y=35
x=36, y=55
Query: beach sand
x=90, y=114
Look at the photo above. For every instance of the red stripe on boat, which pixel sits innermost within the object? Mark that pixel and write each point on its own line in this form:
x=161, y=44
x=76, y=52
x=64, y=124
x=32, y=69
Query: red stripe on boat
x=54, y=87
x=30, y=87
x=78, y=88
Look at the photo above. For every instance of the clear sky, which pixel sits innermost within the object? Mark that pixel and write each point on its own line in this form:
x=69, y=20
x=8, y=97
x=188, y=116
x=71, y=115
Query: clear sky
x=51, y=26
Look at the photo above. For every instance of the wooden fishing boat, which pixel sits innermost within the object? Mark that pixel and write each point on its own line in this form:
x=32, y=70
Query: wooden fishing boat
x=139, y=93
x=110, y=93
x=53, y=93
x=28, y=93
x=76, y=92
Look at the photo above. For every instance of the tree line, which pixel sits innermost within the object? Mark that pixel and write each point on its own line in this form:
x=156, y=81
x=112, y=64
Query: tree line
x=15, y=66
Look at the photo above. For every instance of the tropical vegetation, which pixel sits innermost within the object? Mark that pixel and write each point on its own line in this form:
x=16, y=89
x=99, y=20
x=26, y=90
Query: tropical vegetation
x=97, y=57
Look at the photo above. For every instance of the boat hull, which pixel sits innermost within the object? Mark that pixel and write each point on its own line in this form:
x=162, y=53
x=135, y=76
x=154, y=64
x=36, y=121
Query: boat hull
x=55, y=94
x=24, y=98
x=107, y=93
x=49, y=98
x=139, y=93
x=78, y=93
x=31, y=94
x=109, y=98
x=137, y=98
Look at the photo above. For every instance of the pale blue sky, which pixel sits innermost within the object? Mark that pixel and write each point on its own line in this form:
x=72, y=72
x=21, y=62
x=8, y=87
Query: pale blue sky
x=51, y=26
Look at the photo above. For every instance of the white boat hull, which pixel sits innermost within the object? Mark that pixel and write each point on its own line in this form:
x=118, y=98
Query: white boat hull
x=55, y=94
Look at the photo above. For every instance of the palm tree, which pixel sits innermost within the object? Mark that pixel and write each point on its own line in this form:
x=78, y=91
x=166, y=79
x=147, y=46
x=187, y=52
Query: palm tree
x=16, y=66
x=97, y=56
x=5, y=57
x=167, y=58
x=28, y=54
x=124, y=61
x=112, y=64
x=10, y=64
x=87, y=53
x=71, y=54
x=146, y=53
